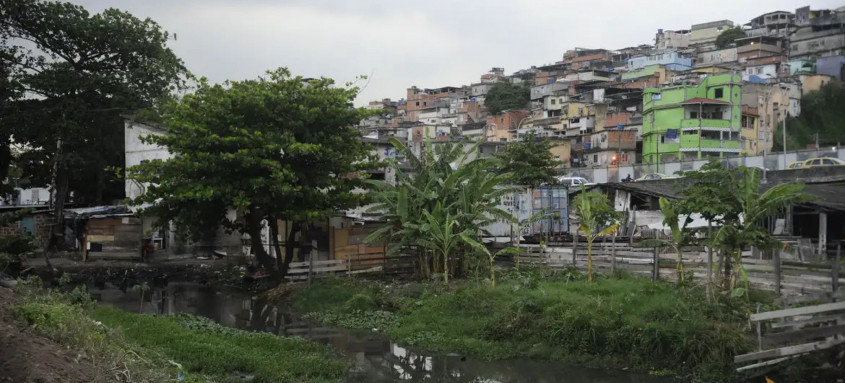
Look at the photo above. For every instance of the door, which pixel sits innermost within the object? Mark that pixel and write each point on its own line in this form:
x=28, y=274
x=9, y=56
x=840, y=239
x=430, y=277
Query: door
x=28, y=226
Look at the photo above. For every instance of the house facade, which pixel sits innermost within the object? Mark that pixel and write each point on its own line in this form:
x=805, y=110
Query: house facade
x=693, y=122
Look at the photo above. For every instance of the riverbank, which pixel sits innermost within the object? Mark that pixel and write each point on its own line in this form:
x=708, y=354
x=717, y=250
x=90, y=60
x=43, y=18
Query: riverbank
x=164, y=348
x=625, y=323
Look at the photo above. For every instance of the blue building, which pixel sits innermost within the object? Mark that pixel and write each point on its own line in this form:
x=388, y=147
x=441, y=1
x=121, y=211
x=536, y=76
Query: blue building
x=672, y=60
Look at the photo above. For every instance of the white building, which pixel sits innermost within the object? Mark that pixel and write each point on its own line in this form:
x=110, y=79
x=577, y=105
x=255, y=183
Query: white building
x=137, y=152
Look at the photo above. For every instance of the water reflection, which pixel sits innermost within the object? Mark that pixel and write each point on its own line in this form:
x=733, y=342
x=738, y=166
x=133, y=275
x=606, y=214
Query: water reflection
x=374, y=359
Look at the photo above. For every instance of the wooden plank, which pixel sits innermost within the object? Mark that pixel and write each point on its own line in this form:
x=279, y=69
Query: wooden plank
x=803, y=334
x=317, y=263
x=795, y=299
x=789, y=350
x=766, y=363
x=807, y=322
x=317, y=269
x=798, y=311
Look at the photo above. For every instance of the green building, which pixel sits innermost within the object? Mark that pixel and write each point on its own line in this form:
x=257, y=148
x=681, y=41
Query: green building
x=693, y=122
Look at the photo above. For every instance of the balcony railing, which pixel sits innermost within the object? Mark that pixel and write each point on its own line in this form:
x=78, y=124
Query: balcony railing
x=707, y=123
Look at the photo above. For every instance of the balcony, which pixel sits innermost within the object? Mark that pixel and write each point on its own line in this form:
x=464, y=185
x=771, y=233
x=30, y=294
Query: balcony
x=706, y=123
x=691, y=143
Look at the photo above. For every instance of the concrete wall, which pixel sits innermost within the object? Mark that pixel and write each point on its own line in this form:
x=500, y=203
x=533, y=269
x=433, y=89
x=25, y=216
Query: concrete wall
x=832, y=66
x=137, y=151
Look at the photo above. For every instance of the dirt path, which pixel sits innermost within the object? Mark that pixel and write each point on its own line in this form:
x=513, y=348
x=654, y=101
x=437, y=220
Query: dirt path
x=28, y=358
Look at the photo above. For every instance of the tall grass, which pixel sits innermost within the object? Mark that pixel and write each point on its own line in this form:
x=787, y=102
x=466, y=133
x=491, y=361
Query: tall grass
x=627, y=322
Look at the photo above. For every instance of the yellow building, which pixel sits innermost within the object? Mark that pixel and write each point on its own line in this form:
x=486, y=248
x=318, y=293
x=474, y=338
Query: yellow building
x=751, y=132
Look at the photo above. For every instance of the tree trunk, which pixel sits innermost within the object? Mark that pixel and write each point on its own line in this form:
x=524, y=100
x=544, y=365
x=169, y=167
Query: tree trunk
x=274, y=231
x=253, y=228
x=294, y=228
x=56, y=241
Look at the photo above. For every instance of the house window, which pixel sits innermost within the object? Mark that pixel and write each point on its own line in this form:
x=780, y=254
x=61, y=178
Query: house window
x=656, y=96
x=719, y=93
x=693, y=115
x=418, y=103
x=595, y=158
x=425, y=103
x=553, y=101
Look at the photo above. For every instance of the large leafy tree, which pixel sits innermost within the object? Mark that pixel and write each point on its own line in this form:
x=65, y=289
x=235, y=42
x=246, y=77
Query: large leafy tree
x=505, y=95
x=440, y=206
x=530, y=161
x=726, y=38
x=278, y=147
x=596, y=218
x=75, y=73
x=822, y=115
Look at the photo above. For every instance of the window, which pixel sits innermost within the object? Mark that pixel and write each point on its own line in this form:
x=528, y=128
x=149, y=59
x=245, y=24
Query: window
x=719, y=93
x=425, y=103
x=553, y=101
x=418, y=103
x=656, y=96
x=595, y=158
x=693, y=115
x=816, y=162
x=828, y=162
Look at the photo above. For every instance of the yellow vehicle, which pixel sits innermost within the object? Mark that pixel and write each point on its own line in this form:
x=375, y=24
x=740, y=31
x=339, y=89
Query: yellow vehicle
x=816, y=162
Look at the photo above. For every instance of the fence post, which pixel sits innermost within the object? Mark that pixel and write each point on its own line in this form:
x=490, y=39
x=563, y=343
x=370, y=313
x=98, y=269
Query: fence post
x=836, y=265
x=759, y=333
x=575, y=249
x=709, y=290
x=656, y=271
x=776, y=262
x=613, y=255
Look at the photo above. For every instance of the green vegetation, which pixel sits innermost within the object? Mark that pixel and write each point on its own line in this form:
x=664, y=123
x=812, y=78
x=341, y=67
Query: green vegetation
x=821, y=114
x=625, y=322
x=504, y=96
x=596, y=217
x=439, y=208
x=726, y=38
x=530, y=162
x=141, y=348
x=276, y=148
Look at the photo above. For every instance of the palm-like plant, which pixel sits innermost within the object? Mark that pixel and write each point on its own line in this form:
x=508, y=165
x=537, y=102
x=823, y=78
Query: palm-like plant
x=746, y=230
x=441, y=205
x=596, y=217
x=679, y=236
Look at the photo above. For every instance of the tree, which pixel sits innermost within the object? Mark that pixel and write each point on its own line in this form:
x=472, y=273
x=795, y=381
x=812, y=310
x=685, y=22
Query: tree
x=731, y=199
x=75, y=74
x=530, y=161
x=596, y=217
x=753, y=208
x=505, y=96
x=440, y=206
x=821, y=116
x=273, y=148
x=726, y=38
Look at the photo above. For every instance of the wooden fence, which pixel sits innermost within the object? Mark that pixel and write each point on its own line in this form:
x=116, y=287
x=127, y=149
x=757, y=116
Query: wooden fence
x=366, y=263
x=785, y=277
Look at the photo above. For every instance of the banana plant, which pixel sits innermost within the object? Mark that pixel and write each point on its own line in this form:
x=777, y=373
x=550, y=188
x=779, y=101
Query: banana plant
x=596, y=218
x=679, y=237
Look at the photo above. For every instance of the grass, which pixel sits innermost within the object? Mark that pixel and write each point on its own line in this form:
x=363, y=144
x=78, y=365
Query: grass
x=160, y=348
x=612, y=322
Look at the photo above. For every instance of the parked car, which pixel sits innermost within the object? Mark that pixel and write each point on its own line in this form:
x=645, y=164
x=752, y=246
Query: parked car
x=653, y=176
x=821, y=161
x=795, y=165
x=573, y=181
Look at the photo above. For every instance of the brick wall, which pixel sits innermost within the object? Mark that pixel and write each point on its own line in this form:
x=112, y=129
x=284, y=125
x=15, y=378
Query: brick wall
x=43, y=224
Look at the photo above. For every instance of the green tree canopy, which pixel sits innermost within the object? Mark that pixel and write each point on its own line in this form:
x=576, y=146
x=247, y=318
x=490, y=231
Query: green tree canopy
x=726, y=38
x=822, y=114
x=596, y=217
x=530, y=161
x=74, y=74
x=278, y=147
x=505, y=96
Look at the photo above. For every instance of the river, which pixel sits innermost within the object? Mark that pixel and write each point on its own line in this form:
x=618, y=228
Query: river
x=374, y=359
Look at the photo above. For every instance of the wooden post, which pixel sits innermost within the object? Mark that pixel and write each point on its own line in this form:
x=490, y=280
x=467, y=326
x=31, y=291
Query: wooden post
x=656, y=270
x=709, y=290
x=575, y=248
x=776, y=262
x=613, y=255
x=311, y=264
x=835, y=269
x=823, y=235
x=759, y=333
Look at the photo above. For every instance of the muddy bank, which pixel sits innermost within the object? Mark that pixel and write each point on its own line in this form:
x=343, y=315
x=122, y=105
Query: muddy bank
x=29, y=358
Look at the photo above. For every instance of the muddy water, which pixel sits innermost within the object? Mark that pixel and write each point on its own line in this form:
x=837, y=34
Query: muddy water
x=374, y=358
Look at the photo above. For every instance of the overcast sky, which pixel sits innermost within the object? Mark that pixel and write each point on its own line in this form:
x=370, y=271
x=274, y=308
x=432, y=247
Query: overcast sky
x=402, y=43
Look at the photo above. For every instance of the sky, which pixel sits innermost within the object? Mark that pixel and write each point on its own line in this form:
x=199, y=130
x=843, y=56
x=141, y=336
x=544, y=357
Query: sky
x=398, y=44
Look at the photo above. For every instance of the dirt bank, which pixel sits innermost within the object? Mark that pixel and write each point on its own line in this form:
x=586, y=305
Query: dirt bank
x=28, y=358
